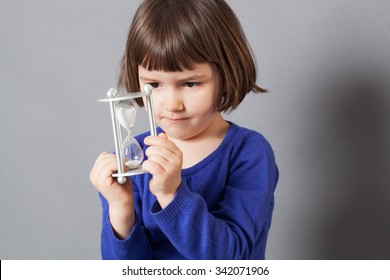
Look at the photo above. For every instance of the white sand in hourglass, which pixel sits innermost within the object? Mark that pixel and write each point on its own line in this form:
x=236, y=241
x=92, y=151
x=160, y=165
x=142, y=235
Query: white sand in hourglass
x=126, y=116
x=133, y=164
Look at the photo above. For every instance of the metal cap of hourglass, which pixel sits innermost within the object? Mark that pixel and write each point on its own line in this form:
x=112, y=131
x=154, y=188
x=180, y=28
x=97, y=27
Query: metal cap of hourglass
x=115, y=100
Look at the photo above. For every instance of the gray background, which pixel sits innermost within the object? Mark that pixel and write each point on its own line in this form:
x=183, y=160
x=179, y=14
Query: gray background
x=326, y=63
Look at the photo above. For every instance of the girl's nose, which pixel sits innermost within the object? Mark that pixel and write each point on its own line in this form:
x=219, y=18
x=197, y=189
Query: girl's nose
x=173, y=101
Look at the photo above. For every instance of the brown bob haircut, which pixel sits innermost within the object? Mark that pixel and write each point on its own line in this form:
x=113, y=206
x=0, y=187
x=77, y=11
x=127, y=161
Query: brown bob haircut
x=172, y=35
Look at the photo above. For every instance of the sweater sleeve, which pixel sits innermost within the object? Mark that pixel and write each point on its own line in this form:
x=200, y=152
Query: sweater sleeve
x=135, y=246
x=238, y=228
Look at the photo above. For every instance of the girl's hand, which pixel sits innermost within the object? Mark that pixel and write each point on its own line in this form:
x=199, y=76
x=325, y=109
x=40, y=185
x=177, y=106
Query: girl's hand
x=119, y=197
x=164, y=162
x=101, y=177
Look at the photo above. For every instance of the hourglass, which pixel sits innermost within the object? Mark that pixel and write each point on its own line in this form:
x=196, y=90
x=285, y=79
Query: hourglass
x=123, y=109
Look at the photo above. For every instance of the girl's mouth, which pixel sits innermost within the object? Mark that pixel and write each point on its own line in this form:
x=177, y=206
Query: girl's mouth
x=176, y=120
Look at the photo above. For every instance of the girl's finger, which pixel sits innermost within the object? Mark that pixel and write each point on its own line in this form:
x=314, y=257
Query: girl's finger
x=161, y=141
x=105, y=165
x=153, y=167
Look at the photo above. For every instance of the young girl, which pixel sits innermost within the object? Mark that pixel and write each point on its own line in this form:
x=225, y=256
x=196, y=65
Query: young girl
x=209, y=193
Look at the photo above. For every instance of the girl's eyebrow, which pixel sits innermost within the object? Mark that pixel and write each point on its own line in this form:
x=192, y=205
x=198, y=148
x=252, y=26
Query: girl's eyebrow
x=193, y=77
x=184, y=79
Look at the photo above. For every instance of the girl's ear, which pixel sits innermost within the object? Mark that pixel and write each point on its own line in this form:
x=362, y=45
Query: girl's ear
x=222, y=101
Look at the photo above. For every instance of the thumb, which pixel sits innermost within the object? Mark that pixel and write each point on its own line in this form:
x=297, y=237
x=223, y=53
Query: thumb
x=162, y=135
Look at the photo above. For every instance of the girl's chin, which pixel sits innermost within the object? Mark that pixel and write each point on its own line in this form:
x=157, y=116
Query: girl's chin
x=178, y=133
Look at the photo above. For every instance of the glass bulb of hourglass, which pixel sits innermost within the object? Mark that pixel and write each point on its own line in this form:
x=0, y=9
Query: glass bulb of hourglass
x=132, y=151
x=133, y=154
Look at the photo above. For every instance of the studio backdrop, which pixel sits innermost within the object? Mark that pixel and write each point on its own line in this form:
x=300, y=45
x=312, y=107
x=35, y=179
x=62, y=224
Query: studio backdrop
x=326, y=64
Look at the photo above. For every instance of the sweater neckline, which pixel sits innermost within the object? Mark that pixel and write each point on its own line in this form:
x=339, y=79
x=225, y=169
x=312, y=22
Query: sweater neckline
x=204, y=162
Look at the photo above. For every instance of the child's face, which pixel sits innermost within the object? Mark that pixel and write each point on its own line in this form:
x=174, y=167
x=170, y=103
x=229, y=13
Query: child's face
x=186, y=103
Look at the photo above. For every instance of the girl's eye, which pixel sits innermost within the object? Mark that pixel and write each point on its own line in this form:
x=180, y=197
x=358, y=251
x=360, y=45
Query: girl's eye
x=191, y=84
x=154, y=85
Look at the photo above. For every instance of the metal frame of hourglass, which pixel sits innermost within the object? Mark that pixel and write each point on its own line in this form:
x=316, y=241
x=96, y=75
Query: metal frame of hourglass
x=115, y=99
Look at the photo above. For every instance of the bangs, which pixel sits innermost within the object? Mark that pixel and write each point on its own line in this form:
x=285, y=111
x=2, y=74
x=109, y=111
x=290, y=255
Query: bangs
x=167, y=41
x=170, y=55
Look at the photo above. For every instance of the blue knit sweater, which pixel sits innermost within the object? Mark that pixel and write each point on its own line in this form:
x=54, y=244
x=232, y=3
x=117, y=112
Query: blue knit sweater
x=222, y=209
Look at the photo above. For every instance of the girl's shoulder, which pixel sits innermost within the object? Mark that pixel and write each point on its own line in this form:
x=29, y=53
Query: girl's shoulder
x=244, y=138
